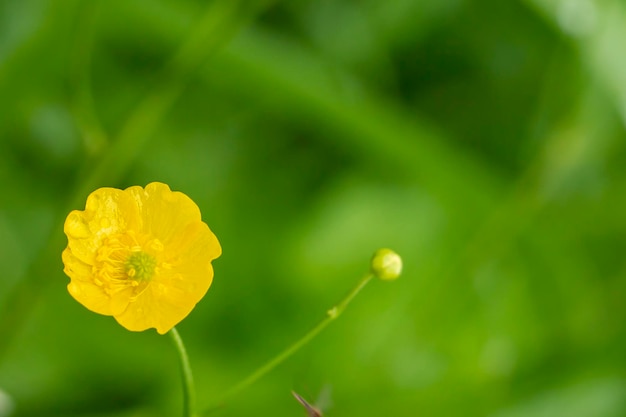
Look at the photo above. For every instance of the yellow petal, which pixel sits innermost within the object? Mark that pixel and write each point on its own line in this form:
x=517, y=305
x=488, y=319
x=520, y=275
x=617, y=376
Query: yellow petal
x=82, y=286
x=170, y=297
x=164, y=213
x=90, y=291
x=196, y=241
x=108, y=211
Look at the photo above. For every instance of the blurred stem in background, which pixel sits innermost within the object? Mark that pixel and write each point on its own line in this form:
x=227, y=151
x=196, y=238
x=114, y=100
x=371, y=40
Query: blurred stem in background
x=215, y=28
x=92, y=133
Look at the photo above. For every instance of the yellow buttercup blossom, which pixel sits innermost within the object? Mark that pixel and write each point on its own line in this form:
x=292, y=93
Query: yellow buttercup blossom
x=141, y=255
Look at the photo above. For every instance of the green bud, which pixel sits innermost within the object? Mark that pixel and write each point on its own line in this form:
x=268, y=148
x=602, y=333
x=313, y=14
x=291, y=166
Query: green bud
x=386, y=264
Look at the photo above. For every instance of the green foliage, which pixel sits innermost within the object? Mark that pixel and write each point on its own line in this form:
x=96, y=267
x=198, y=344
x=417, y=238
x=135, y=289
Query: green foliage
x=482, y=141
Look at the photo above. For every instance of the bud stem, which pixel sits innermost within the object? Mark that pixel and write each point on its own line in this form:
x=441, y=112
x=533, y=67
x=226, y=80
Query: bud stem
x=331, y=315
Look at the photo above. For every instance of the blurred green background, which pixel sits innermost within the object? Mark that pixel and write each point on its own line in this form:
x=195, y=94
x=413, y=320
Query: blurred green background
x=483, y=141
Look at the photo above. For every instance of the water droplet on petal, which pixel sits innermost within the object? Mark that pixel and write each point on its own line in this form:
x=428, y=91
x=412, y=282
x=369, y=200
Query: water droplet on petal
x=75, y=226
x=74, y=289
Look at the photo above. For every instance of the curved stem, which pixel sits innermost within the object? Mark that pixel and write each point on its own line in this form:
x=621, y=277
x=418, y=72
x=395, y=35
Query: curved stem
x=331, y=315
x=189, y=390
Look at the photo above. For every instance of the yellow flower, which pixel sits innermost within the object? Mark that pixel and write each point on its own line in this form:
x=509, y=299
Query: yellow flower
x=140, y=255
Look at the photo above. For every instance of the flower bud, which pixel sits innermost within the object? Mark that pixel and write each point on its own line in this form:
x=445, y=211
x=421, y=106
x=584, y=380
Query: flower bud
x=386, y=264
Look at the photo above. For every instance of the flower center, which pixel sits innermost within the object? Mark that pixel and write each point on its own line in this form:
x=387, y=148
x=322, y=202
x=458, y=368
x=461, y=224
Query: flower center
x=140, y=266
x=127, y=260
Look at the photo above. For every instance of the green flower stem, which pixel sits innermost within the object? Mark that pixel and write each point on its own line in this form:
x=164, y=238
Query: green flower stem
x=189, y=389
x=331, y=315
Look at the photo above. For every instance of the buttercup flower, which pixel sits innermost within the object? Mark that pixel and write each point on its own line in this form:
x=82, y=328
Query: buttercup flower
x=140, y=255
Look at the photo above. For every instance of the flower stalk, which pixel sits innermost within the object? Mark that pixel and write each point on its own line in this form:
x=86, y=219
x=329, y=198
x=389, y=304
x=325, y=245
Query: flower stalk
x=189, y=389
